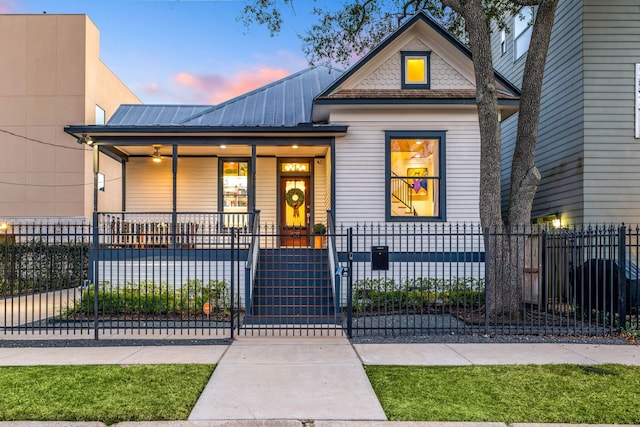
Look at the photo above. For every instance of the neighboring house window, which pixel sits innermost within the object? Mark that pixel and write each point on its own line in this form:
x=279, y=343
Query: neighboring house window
x=522, y=32
x=235, y=191
x=415, y=70
x=415, y=180
x=100, y=116
x=503, y=42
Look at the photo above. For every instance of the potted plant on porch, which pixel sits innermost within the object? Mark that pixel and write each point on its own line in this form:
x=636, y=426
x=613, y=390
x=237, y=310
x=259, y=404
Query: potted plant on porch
x=319, y=230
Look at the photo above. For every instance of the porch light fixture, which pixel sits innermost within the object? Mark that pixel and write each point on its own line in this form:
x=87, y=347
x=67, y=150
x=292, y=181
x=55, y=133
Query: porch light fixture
x=4, y=226
x=156, y=156
x=294, y=146
x=84, y=139
x=223, y=146
x=552, y=219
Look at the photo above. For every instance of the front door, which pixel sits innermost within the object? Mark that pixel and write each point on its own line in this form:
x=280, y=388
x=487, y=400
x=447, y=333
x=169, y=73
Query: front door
x=295, y=211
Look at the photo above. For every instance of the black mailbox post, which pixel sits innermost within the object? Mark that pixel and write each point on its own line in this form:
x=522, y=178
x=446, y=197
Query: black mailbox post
x=379, y=257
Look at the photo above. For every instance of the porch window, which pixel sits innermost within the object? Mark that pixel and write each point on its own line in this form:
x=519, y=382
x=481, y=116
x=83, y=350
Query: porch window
x=415, y=70
x=235, y=185
x=415, y=175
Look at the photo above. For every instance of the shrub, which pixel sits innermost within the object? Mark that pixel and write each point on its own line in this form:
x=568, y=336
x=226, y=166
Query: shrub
x=386, y=295
x=148, y=298
x=38, y=266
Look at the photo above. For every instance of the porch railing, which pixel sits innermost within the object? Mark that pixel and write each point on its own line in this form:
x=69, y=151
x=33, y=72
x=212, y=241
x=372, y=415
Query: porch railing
x=334, y=263
x=142, y=230
x=252, y=260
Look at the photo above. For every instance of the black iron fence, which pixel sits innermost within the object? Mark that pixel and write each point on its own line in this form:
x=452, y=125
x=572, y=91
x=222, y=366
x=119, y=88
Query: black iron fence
x=210, y=275
x=438, y=279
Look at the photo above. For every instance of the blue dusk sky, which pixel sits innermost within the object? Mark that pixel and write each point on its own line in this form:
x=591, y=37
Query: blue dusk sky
x=186, y=51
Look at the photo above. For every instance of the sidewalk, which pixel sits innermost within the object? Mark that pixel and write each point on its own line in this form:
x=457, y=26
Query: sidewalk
x=272, y=381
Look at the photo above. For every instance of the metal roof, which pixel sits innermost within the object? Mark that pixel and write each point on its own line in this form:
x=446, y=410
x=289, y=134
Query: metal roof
x=154, y=115
x=284, y=103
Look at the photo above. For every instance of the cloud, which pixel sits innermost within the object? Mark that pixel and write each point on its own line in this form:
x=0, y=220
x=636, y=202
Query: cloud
x=215, y=88
x=151, y=88
x=8, y=6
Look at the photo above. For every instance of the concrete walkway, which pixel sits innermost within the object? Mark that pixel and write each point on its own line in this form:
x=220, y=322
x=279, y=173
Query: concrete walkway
x=276, y=378
x=273, y=381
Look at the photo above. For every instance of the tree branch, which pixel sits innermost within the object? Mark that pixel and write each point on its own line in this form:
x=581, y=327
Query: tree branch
x=520, y=197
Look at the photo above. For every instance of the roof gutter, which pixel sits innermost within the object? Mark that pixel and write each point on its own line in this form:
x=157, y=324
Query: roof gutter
x=84, y=132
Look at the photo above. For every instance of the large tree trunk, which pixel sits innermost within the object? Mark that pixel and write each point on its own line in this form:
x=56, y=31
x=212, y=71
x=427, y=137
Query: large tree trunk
x=504, y=244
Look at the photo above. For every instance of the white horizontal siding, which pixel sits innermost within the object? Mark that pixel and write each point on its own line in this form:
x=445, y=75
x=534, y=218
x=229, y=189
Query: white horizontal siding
x=267, y=189
x=319, y=191
x=197, y=184
x=149, y=186
x=360, y=161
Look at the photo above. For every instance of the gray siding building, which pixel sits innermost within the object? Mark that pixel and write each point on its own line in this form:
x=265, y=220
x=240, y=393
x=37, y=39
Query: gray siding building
x=588, y=149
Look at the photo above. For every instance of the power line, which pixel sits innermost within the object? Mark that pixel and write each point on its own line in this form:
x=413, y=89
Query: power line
x=54, y=185
x=42, y=142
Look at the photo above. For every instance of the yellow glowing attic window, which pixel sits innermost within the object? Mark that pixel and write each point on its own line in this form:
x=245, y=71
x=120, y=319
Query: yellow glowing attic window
x=415, y=70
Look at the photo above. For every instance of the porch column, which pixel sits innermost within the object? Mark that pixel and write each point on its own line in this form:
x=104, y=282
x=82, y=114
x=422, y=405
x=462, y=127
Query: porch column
x=96, y=170
x=174, y=168
x=252, y=201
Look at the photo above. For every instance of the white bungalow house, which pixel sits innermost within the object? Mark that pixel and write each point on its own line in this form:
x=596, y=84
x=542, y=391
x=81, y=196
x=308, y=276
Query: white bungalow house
x=394, y=139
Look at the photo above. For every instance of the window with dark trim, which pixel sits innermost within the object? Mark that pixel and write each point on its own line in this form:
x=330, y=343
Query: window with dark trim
x=503, y=42
x=416, y=73
x=415, y=175
x=234, y=185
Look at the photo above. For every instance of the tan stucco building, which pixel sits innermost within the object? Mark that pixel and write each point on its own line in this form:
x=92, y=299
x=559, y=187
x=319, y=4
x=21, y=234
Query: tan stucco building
x=51, y=76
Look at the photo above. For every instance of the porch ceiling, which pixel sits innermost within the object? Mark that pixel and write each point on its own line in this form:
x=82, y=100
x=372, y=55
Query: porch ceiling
x=229, y=151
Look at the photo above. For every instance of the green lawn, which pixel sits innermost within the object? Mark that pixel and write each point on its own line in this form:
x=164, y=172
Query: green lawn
x=607, y=394
x=101, y=393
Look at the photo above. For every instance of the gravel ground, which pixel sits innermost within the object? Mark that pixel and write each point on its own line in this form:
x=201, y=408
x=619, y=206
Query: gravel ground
x=370, y=329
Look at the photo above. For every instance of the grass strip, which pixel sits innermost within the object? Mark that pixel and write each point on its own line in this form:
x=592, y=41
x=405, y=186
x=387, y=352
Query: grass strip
x=602, y=394
x=106, y=393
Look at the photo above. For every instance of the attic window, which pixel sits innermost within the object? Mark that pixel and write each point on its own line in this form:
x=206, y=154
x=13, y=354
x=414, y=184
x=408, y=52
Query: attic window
x=416, y=70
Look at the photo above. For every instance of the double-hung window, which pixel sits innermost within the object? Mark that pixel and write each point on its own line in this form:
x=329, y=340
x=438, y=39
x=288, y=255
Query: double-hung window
x=522, y=32
x=415, y=175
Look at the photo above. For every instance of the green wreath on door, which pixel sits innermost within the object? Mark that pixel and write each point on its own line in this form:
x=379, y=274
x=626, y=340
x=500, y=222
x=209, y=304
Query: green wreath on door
x=295, y=198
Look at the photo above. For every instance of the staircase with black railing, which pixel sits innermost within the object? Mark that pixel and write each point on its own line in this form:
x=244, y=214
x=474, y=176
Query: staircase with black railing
x=292, y=286
x=402, y=195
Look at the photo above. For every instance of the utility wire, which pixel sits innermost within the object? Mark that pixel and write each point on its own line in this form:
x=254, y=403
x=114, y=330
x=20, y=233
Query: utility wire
x=54, y=185
x=42, y=142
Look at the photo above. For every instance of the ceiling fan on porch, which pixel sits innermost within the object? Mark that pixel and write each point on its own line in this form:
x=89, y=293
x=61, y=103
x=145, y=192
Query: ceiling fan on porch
x=156, y=157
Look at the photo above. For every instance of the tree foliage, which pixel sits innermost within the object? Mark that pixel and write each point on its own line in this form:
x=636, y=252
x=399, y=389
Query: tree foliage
x=362, y=24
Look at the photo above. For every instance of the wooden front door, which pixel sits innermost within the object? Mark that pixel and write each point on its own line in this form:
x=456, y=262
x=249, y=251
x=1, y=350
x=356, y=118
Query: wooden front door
x=295, y=211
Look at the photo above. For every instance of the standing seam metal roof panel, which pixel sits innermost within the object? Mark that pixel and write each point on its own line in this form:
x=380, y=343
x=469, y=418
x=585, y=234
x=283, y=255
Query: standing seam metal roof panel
x=146, y=115
x=286, y=102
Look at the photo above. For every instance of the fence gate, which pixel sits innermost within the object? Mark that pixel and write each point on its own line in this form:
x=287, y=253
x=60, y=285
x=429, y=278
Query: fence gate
x=290, y=285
